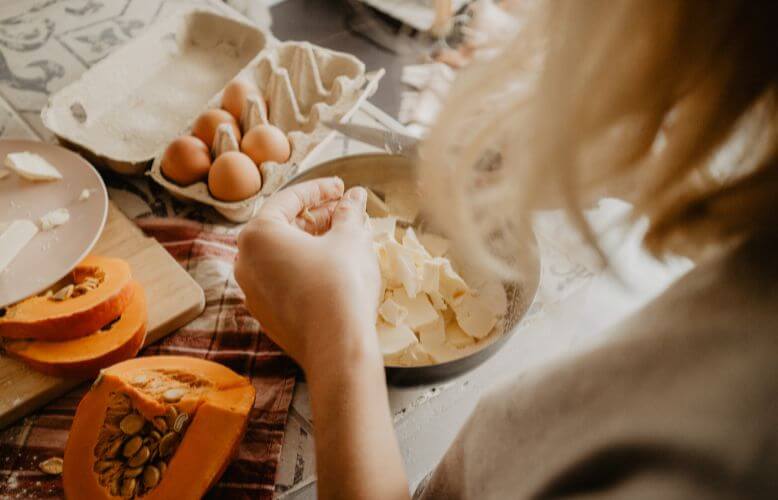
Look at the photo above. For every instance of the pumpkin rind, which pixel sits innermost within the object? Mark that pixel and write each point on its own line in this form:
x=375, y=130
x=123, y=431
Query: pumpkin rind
x=217, y=400
x=41, y=318
x=85, y=356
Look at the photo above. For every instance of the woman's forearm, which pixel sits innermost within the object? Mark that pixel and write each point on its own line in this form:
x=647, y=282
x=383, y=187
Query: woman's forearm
x=357, y=455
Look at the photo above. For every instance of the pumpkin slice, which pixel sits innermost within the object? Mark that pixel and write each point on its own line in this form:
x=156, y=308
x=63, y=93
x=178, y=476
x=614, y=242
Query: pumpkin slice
x=97, y=292
x=156, y=428
x=85, y=356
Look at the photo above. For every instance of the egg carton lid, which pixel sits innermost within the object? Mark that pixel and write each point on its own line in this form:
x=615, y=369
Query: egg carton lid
x=123, y=110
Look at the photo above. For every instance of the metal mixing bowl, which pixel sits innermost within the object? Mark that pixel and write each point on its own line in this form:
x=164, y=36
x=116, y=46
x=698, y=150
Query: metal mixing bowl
x=385, y=174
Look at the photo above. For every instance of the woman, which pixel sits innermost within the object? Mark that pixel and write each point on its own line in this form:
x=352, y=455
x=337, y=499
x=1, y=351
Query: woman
x=671, y=104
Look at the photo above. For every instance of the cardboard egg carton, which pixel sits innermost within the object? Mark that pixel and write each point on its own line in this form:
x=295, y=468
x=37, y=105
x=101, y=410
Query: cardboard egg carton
x=304, y=85
x=124, y=111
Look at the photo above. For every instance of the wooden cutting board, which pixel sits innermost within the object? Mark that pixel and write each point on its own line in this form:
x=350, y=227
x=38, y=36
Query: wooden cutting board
x=174, y=299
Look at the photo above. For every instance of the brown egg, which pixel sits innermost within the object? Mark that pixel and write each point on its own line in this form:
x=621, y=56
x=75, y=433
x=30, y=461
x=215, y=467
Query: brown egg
x=205, y=126
x=235, y=94
x=266, y=143
x=233, y=177
x=186, y=160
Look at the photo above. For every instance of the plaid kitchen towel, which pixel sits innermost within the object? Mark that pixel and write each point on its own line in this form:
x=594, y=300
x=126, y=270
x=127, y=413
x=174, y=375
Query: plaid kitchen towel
x=224, y=333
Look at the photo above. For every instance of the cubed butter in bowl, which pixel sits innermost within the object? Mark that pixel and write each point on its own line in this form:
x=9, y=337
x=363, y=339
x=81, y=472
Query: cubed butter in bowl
x=437, y=318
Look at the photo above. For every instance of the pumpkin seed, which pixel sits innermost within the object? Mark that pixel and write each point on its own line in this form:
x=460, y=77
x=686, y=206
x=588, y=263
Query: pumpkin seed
x=140, y=379
x=103, y=465
x=140, y=457
x=119, y=402
x=160, y=424
x=128, y=487
x=64, y=293
x=113, y=449
x=173, y=395
x=115, y=487
x=134, y=472
x=154, y=452
x=51, y=466
x=132, y=424
x=112, y=429
x=101, y=447
x=115, y=472
x=151, y=476
x=167, y=444
x=132, y=446
x=180, y=422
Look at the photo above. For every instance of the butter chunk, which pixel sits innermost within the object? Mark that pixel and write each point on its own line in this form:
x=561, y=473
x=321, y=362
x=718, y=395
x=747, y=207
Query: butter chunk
x=430, y=277
x=383, y=226
x=14, y=236
x=452, y=286
x=415, y=355
x=393, y=339
x=433, y=338
x=32, y=167
x=493, y=295
x=420, y=311
x=457, y=337
x=392, y=312
x=433, y=333
x=475, y=316
x=402, y=267
x=437, y=301
x=411, y=241
x=386, y=262
x=53, y=219
x=436, y=245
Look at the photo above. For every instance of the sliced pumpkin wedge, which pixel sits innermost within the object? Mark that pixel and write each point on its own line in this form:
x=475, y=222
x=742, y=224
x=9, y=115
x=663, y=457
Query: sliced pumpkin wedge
x=85, y=356
x=97, y=292
x=156, y=428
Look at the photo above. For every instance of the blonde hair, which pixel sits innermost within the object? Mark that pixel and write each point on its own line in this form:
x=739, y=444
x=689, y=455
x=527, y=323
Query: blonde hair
x=669, y=104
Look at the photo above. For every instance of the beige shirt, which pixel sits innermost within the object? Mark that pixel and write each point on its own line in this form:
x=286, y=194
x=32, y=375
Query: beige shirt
x=683, y=403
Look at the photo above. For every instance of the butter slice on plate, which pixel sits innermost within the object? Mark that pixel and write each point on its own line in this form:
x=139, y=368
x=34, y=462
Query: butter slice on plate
x=14, y=236
x=32, y=167
x=53, y=219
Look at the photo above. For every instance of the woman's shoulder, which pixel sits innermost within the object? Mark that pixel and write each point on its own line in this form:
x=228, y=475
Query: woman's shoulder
x=687, y=386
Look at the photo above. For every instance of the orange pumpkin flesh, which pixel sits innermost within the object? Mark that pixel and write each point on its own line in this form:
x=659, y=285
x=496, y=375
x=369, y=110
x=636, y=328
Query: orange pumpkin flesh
x=216, y=400
x=85, y=356
x=43, y=318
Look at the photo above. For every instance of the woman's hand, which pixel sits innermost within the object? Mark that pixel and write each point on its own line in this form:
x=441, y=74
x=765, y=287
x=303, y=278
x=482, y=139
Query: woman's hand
x=307, y=266
x=311, y=277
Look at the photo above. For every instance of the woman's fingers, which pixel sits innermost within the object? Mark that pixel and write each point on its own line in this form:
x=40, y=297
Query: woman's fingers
x=316, y=220
x=350, y=211
x=288, y=204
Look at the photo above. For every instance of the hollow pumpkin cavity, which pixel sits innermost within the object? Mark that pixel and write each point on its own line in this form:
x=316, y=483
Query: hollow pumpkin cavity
x=132, y=452
x=84, y=357
x=158, y=427
x=93, y=294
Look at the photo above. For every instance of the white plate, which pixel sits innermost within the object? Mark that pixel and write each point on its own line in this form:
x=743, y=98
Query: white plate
x=51, y=254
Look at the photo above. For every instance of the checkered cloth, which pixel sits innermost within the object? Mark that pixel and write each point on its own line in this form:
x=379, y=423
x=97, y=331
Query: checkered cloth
x=224, y=333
